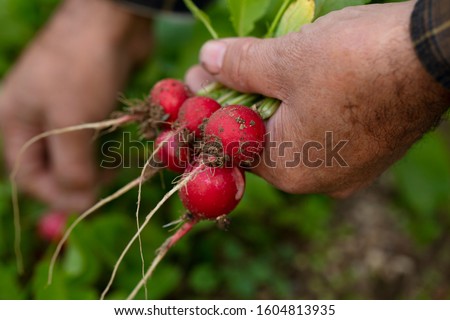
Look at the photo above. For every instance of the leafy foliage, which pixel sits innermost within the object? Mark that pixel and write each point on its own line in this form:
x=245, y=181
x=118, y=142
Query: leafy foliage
x=326, y=6
x=244, y=14
x=423, y=178
x=20, y=21
x=202, y=16
x=297, y=14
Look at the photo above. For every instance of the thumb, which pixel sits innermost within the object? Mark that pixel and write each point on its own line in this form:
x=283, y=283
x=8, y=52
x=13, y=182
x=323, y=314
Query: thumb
x=249, y=64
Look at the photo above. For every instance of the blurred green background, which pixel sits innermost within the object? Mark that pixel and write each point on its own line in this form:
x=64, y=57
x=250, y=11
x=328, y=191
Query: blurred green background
x=388, y=242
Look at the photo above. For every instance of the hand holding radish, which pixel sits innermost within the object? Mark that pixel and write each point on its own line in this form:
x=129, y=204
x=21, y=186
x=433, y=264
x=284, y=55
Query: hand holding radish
x=347, y=74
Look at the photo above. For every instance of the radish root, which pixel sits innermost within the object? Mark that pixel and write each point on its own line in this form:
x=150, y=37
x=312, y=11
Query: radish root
x=15, y=195
x=180, y=185
x=17, y=231
x=98, y=205
x=145, y=175
x=161, y=253
x=138, y=206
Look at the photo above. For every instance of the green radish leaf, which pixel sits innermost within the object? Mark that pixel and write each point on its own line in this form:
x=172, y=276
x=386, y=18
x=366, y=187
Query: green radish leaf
x=325, y=6
x=299, y=13
x=245, y=13
x=202, y=16
x=277, y=18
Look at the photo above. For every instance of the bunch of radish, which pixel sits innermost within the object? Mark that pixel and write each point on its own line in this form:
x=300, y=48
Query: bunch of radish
x=211, y=144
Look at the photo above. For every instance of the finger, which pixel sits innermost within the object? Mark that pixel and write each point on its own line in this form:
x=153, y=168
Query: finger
x=197, y=78
x=33, y=175
x=41, y=185
x=74, y=170
x=72, y=160
x=280, y=163
x=249, y=64
x=268, y=166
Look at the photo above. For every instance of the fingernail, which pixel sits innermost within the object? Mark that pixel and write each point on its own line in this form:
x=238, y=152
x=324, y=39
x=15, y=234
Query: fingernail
x=211, y=56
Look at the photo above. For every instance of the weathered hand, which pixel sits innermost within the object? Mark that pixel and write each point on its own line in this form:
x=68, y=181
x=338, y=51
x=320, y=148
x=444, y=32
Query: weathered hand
x=70, y=74
x=355, y=97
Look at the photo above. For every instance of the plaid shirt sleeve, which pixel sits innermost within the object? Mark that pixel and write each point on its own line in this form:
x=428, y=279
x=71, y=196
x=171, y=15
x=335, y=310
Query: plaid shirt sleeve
x=430, y=32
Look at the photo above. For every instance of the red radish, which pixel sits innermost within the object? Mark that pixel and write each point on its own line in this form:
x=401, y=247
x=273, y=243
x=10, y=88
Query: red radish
x=194, y=113
x=170, y=95
x=213, y=192
x=174, y=151
x=239, y=130
x=208, y=193
x=51, y=226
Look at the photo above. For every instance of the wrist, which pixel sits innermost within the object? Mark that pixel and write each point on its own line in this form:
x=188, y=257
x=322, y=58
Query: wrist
x=421, y=100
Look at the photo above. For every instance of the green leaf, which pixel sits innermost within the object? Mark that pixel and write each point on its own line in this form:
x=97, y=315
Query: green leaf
x=259, y=197
x=245, y=13
x=204, y=279
x=311, y=218
x=423, y=176
x=165, y=280
x=73, y=263
x=57, y=290
x=61, y=288
x=10, y=284
x=277, y=18
x=423, y=181
x=202, y=16
x=299, y=13
x=325, y=6
x=242, y=285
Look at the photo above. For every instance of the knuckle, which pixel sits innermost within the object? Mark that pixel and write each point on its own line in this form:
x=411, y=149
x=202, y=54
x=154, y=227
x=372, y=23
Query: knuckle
x=242, y=58
x=284, y=63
